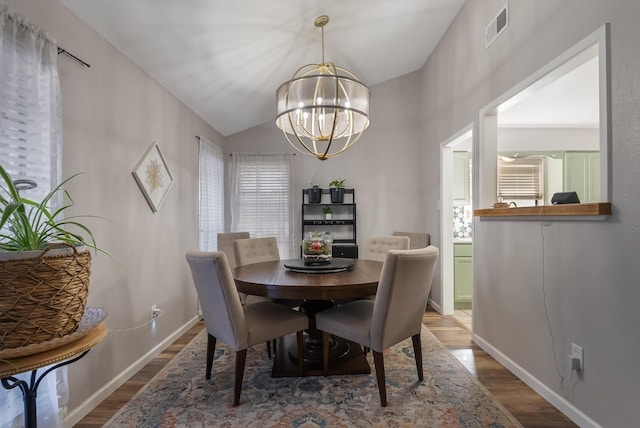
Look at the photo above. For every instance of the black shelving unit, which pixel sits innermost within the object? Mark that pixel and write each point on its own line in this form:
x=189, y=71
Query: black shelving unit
x=342, y=224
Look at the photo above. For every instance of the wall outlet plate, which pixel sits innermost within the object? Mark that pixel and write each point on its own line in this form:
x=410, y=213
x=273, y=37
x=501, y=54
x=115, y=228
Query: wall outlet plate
x=576, y=358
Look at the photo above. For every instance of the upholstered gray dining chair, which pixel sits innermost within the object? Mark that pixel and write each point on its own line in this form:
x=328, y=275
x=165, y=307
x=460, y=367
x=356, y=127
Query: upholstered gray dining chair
x=240, y=327
x=396, y=313
x=416, y=239
x=225, y=244
x=258, y=250
x=376, y=247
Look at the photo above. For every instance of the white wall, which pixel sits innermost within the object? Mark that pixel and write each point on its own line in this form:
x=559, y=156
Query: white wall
x=111, y=113
x=581, y=139
x=590, y=282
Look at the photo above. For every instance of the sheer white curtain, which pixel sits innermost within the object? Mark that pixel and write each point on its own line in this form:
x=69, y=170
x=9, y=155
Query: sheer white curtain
x=262, y=197
x=211, y=194
x=31, y=148
x=30, y=105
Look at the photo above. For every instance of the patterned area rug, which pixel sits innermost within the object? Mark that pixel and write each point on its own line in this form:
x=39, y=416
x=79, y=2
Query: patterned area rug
x=179, y=395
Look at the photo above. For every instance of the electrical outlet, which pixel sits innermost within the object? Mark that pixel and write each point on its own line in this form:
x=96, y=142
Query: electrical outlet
x=576, y=358
x=155, y=313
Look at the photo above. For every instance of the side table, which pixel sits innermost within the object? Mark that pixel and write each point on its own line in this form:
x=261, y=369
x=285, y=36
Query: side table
x=60, y=356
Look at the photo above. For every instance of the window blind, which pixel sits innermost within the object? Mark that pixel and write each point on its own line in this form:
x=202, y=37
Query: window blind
x=211, y=194
x=261, y=197
x=520, y=178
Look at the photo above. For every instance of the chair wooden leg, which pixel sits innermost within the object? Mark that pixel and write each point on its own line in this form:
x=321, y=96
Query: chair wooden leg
x=269, y=348
x=417, y=351
x=325, y=352
x=273, y=345
x=300, y=337
x=241, y=357
x=211, y=350
x=378, y=360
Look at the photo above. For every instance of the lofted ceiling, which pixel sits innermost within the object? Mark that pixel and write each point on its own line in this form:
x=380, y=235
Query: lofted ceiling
x=225, y=59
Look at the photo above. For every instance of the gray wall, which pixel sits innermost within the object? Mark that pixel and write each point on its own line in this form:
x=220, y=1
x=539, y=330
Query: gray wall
x=111, y=113
x=590, y=284
x=381, y=166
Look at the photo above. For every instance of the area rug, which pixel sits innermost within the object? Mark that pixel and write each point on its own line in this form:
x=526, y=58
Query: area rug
x=180, y=396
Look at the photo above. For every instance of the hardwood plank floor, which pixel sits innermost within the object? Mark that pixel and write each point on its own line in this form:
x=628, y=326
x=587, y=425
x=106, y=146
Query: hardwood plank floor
x=531, y=410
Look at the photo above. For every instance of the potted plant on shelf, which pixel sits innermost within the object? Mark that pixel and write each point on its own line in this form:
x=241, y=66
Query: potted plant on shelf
x=314, y=194
x=336, y=188
x=44, y=267
x=327, y=212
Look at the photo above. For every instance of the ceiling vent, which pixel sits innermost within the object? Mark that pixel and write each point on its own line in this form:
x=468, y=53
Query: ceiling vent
x=497, y=25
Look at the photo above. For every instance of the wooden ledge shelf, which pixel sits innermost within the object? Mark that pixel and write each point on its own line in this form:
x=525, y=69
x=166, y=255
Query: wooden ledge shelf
x=563, y=210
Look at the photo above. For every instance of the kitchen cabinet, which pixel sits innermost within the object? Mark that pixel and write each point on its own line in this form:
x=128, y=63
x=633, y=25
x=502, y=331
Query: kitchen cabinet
x=342, y=223
x=582, y=174
x=462, y=275
x=461, y=178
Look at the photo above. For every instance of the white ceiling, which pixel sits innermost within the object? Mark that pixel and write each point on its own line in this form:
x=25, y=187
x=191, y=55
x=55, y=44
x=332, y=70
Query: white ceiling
x=225, y=59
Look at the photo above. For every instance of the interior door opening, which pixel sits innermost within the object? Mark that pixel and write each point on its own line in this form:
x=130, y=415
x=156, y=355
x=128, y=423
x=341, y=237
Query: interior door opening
x=456, y=225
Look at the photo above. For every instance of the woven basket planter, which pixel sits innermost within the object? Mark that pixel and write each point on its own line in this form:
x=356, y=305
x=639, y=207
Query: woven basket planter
x=43, y=297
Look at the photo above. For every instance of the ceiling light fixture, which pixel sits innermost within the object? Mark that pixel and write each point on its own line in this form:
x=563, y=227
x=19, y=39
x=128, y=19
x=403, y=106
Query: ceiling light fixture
x=324, y=109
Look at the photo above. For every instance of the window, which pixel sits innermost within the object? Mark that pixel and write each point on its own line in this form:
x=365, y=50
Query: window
x=30, y=106
x=561, y=108
x=520, y=179
x=211, y=194
x=262, y=197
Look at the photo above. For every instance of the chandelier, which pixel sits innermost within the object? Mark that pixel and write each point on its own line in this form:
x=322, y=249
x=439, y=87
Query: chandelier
x=324, y=109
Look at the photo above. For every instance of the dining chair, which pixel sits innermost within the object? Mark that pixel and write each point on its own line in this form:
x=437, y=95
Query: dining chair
x=416, y=239
x=395, y=314
x=225, y=244
x=258, y=250
x=376, y=247
x=226, y=319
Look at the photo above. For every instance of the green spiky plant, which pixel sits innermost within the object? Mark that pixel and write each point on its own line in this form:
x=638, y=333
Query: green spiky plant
x=27, y=225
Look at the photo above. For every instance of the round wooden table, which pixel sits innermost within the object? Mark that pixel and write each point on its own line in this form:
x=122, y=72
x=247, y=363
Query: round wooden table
x=318, y=291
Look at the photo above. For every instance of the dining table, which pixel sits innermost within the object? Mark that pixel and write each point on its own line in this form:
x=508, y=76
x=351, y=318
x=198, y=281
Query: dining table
x=317, y=287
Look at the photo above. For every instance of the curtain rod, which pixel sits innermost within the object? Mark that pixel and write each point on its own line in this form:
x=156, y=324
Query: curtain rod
x=72, y=56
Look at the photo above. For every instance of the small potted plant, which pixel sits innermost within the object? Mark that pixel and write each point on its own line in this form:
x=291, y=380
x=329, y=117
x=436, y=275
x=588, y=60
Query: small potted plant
x=336, y=188
x=327, y=212
x=314, y=194
x=38, y=250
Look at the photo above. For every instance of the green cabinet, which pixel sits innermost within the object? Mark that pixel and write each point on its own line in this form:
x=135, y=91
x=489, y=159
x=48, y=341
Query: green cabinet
x=461, y=177
x=582, y=174
x=462, y=275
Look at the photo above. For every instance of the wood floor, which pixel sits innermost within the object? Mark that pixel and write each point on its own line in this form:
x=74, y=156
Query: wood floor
x=528, y=407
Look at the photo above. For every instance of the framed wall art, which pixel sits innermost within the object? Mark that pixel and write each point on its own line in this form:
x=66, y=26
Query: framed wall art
x=153, y=176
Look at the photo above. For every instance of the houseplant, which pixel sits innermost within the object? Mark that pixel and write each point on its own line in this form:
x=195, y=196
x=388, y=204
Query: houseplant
x=327, y=212
x=43, y=287
x=336, y=188
x=314, y=194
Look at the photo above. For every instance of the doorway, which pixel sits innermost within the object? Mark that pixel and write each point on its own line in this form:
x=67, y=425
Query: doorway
x=456, y=224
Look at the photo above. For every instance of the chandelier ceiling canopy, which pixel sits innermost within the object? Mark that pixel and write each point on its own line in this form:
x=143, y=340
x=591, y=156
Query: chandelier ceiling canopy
x=324, y=109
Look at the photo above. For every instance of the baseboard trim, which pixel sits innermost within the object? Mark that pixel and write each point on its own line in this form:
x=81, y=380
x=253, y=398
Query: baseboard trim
x=436, y=307
x=556, y=400
x=74, y=416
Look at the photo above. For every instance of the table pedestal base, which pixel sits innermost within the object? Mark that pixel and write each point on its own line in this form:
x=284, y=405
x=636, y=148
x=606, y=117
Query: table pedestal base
x=348, y=358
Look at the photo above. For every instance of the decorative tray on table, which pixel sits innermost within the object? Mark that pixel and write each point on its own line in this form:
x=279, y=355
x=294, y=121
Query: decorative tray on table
x=333, y=266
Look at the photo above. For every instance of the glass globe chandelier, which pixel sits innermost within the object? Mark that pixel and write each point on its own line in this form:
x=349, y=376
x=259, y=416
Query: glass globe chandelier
x=324, y=109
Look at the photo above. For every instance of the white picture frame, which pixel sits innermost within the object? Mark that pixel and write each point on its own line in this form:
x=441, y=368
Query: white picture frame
x=153, y=176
